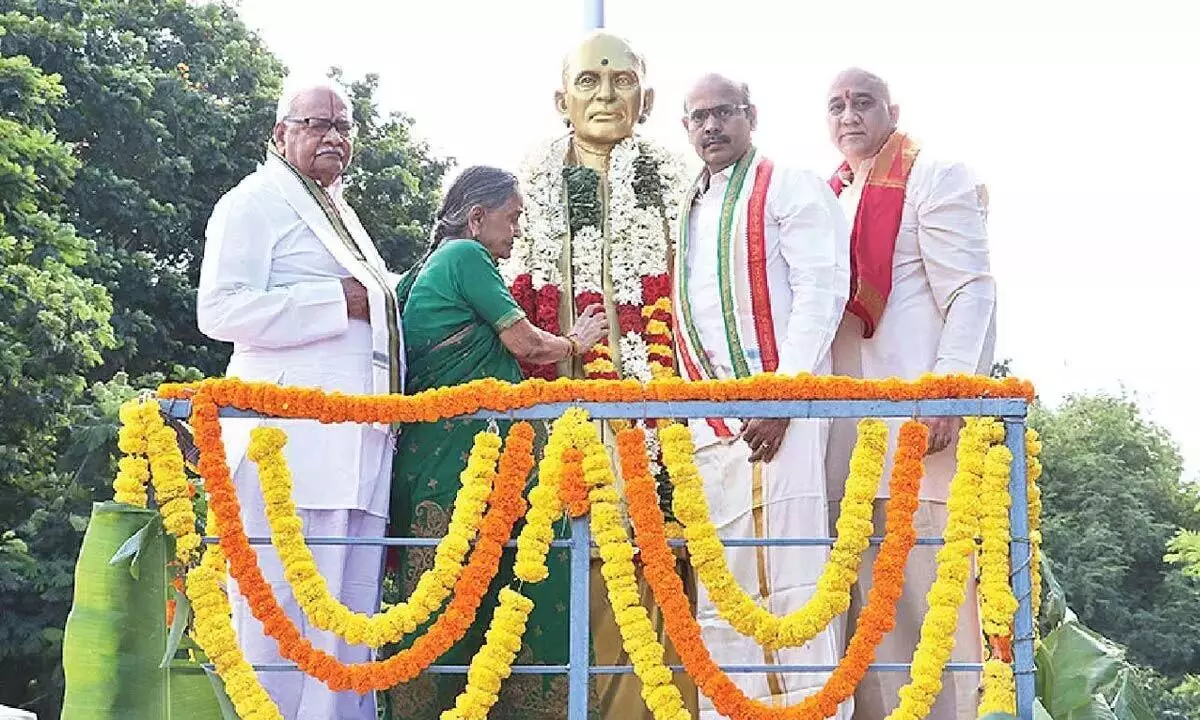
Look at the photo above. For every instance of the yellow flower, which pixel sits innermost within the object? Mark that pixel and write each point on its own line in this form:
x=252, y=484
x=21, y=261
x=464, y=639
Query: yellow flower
x=493, y=663
x=545, y=503
x=953, y=568
x=638, y=635
x=999, y=689
x=707, y=554
x=213, y=631
x=309, y=587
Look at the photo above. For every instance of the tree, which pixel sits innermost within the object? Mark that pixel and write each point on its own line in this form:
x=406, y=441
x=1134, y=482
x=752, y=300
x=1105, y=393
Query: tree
x=137, y=115
x=394, y=181
x=53, y=329
x=1113, y=499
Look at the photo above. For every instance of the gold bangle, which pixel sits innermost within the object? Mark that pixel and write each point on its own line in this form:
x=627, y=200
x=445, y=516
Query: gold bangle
x=574, y=344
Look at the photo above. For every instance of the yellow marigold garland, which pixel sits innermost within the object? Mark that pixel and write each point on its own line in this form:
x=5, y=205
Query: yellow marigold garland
x=640, y=640
x=545, y=503
x=133, y=469
x=997, y=602
x=953, y=568
x=1033, y=472
x=998, y=605
x=213, y=630
x=733, y=604
x=312, y=592
x=152, y=455
x=493, y=663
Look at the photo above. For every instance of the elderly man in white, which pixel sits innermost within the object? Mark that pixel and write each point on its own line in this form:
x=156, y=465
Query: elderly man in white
x=761, y=279
x=922, y=300
x=290, y=277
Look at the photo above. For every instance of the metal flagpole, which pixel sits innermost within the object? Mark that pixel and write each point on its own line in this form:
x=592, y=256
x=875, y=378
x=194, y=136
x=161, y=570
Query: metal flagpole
x=593, y=12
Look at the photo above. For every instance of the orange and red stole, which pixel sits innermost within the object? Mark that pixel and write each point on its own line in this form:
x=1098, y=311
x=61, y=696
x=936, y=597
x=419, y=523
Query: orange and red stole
x=876, y=225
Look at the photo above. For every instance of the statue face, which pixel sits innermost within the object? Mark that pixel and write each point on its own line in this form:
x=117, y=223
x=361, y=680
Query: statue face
x=602, y=95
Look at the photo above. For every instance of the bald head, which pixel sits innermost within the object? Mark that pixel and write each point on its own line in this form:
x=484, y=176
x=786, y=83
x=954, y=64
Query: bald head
x=719, y=120
x=720, y=84
x=862, y=78
x=860, y=114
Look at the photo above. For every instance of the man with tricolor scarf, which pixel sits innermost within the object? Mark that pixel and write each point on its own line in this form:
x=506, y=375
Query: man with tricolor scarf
x=922, y=301
x=292, y=279
x=762, y=273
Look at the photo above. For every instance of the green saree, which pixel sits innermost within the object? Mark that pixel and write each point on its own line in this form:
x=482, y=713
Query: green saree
x=455, y=308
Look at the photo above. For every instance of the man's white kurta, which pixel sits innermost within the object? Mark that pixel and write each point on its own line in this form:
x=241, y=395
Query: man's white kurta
x=270, y=283
x=807, y=269
x=940, y=318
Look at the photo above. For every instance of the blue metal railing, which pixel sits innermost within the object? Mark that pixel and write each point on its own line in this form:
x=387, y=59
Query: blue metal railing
x=1011, y=412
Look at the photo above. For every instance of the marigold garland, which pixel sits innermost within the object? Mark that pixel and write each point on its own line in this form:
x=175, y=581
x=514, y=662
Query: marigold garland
x=1033, y=472
x=143, y=433
x=953, y=568
x=493, y=663
x=734, y=604
x=133, y=470
x=545, y=505
x=876, y=620
x=572, y=487
x=997, y=602
x=506, y=506
x=213, y=631
x=324, y=610
x=490, y=394
x=640, y=640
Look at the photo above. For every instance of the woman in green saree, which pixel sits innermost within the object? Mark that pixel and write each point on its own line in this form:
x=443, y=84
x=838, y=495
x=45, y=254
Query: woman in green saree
x=461, y=324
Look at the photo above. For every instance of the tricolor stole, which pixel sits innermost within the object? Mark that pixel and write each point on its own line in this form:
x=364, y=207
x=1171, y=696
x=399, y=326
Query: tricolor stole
x=691, y=352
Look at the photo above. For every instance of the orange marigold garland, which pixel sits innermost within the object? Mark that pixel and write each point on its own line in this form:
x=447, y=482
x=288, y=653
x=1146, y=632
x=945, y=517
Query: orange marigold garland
x=506, y=503
x=876, y=620
x=572, y=487
x=490, y=394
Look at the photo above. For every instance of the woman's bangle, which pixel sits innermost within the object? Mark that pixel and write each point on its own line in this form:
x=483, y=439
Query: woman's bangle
x=574, y=344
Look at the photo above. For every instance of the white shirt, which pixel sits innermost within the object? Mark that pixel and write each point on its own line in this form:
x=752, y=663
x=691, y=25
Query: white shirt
x=940, y=315
x=807, y=266
x=271, y=286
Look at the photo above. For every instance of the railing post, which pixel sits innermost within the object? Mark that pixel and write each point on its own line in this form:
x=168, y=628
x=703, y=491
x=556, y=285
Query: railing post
x=1021, y=553
x=578, y=669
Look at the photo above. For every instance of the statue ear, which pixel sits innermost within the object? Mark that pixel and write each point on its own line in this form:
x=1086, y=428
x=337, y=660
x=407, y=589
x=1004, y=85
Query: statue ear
x=647, y=102
x=560, y=104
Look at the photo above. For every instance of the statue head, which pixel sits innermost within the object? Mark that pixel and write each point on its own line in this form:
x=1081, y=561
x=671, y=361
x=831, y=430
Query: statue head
x=603, y=92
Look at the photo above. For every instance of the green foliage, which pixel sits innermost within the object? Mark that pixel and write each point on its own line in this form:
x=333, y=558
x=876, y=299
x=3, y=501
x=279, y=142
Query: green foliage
x=393, y=183
x=121, y=124
x=53, y=329
x=1113, y=500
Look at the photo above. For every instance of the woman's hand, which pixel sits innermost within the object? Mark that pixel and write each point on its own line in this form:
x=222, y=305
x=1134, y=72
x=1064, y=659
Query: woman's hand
x=590, y=327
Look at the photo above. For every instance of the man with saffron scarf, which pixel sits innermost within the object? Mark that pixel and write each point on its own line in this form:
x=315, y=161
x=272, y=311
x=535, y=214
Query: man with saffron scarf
x=762, y=273
x=922, y=300
x=292, y=279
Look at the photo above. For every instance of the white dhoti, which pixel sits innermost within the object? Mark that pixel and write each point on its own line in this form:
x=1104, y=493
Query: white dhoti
x=352, y=573
x=783, y=498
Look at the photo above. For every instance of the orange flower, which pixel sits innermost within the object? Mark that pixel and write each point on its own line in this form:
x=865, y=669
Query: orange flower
x=571, y=487
x=439, y=403
x=875, y=621
x=506, y=505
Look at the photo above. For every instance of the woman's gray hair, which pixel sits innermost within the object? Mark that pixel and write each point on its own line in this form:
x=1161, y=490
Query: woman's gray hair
x=296, y=85
x=481, y=185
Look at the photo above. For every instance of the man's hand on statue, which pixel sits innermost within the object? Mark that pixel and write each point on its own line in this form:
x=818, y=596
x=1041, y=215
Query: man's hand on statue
x=764, y=436
x=357, y=305
x=591, y=326
x=942, y=432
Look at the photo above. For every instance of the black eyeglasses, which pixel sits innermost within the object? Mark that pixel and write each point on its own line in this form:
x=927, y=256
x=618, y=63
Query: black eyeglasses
x=720, y=112
x=321, y=126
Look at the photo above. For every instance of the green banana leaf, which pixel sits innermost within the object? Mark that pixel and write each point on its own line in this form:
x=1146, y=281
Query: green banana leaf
x=116, y=634
x=1083, y=676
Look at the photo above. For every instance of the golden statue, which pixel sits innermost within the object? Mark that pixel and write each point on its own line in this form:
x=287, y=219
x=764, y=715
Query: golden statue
x=601, y=207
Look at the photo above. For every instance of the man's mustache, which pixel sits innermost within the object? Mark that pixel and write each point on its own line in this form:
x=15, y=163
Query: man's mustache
x=716, y=139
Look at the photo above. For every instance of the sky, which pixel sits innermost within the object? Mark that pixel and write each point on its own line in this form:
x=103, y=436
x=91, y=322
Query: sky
x=1081, y=121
